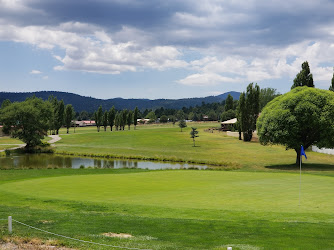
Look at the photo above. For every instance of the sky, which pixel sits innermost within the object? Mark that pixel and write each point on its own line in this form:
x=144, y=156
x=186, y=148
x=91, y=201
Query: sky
x=163, y=49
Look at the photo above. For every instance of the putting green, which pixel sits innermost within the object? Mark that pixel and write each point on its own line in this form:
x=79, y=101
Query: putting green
x=247, y=191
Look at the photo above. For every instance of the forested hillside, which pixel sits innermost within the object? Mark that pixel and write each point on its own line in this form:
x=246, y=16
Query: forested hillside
x=91, y=104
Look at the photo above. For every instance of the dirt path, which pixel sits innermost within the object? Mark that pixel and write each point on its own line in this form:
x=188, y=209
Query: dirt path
x=54, y=139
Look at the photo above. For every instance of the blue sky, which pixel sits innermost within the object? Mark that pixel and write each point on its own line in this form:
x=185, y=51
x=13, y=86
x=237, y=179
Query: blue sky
x=162, y=49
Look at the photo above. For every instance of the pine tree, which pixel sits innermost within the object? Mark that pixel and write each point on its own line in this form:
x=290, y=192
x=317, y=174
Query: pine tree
x=182, y=124
x=304, y=77
x=193, y=134
x=331, y=88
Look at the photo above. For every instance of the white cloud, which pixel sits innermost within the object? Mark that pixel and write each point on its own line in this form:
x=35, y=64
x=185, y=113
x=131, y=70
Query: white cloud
x=45, y=77
x=205, y=79
x=35, y=72
x=96, y=52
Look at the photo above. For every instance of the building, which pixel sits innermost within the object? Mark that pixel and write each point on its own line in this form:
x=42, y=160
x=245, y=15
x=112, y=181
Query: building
x=229, y=124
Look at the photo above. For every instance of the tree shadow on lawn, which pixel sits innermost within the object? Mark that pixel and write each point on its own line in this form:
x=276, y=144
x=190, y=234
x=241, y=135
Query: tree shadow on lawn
x=305, y=167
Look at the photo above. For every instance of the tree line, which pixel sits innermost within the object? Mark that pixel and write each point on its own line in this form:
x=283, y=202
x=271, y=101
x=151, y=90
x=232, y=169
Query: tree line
x=112, y=118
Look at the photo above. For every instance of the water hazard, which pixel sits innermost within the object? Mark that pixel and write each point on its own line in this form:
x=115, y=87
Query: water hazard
x=29, y=161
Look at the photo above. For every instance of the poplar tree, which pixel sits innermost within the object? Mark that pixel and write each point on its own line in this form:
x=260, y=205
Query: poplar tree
x=117, y=121
x=124, y=118
x=111, y=117
x=129, y=119
x=248, y=111
x=135, y=116
x=59, y=115
x=69, y=113
x=98, y=118
x=105, y=120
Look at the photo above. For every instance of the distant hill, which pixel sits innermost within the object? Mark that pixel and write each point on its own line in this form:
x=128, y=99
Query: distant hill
x=91, y=104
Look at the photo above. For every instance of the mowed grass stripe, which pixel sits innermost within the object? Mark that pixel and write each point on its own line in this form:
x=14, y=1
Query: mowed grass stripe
x=235, y=191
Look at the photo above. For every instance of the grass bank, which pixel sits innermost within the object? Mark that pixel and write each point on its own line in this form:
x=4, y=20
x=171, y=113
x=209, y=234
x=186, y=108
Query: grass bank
x=167, y=143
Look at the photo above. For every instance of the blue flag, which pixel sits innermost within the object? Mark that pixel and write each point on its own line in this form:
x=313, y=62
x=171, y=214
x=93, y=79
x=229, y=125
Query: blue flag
x=302, y=152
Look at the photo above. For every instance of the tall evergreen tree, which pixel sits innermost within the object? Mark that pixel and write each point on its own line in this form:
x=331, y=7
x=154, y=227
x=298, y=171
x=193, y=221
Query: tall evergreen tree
x=111, y=117
x=228, y=103
x=193, y=134
x=182, y=124
x=124, y=118
x=59, y=116
x=105, y=120
x=98, y=115
x=304, y=77
x=331, y=88
x=69, y=114
x=135, y=116
x=248, y=110
x=129, y=119
x=117, y=120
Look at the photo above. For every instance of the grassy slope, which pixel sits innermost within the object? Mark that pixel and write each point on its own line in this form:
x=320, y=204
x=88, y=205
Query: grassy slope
x=168, y=142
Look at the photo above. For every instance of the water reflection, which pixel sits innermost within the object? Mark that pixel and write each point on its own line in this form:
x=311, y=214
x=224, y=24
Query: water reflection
x=55, y=161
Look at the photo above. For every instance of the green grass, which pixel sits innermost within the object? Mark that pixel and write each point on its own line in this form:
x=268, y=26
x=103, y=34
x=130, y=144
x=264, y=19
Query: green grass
x=7, y=142
x=254, y=205
x=166, y=142
x=171, y=209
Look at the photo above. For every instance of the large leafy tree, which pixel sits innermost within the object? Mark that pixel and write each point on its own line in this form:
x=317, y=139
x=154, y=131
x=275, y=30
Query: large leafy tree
x=69, y=115
x=28, y=120
x=248, y=111
x=303, y=116
x=111, y=117
x=266, y=95
x=304, y=77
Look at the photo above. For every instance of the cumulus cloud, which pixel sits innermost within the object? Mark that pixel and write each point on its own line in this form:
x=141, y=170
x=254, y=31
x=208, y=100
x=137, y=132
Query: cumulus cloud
x=205, y=79
x=35, y=72
x=95, y=51
x=235, y=41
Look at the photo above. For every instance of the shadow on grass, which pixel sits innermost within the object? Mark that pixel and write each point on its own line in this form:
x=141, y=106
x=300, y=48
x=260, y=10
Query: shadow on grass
x=305, y=167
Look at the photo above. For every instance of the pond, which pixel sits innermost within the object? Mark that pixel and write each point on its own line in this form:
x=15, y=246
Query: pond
x=26, y=161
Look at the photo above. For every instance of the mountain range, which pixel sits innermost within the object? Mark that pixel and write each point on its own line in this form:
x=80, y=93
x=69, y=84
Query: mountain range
x=91, y=104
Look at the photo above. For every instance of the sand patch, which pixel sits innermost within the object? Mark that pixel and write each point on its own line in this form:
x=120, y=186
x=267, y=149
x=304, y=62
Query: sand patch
x=30, y=244
x=121, y=235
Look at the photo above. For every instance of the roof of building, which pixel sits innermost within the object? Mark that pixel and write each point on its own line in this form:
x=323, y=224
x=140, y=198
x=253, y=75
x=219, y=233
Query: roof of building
x=232, y=121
